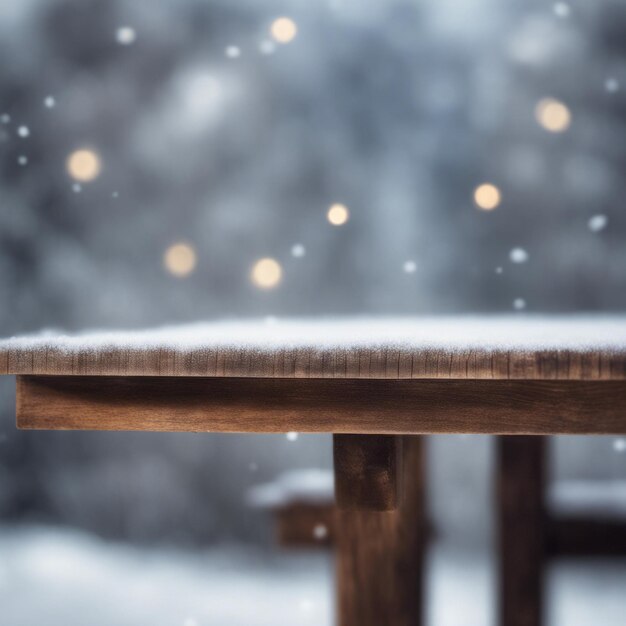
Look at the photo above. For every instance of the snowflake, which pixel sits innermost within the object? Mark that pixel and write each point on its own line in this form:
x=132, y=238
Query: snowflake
x=125, y=35
x=518, y=255
x=562, y=9
x=267, y=47
x=619, y=445
x=320, y=531
x=298, y=250
x=597, y=223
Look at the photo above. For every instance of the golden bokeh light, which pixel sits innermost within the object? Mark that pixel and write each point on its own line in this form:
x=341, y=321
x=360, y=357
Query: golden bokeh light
x=180, y=259
x=283, y=29
x=487, y=196
x=338, y=214
x=553, y=115
x=266, y=273
x=84, y=165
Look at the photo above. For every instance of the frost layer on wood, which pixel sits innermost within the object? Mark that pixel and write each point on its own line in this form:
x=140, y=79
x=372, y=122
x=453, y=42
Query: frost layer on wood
x=487, y=347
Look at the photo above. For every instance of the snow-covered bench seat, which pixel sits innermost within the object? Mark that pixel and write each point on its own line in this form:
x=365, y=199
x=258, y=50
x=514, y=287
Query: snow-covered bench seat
x=302, y=503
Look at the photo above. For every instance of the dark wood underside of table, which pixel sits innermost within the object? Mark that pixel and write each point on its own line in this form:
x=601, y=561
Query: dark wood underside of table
x=368, y=406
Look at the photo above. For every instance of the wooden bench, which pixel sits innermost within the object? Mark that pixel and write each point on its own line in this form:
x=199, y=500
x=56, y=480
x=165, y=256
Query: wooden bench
x=376, y=385
x=302, y=503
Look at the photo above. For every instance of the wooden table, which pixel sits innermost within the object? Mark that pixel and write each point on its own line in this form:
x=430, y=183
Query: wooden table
x=376, y=385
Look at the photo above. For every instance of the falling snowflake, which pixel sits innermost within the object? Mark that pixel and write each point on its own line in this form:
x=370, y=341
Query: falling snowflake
x=298, y=250
x=499, y=270
x=115, y=194
x=49, y=102
x=233, y=52
x=518, y=255
x=292, y=436
x=409, y=267
x=253, y=467
x=23, y=131
x=267, y=47
x=5, y=118
x=519, y=304
x=320, y=531
x=597, y=223
x=125, y=35
x=562, y=9
x=611, y=85
x=619, y=445
x=76, y=188
x=22, y=160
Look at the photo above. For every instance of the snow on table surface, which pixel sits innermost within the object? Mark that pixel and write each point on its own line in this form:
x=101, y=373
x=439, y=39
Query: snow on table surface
x=514, y=346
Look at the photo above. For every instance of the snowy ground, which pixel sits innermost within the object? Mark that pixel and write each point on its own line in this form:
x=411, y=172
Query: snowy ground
x=55, y=577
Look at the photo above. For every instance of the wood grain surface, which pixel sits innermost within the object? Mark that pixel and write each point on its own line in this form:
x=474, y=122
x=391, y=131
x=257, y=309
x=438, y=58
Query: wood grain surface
x=367, y=471
x=380, y=554
x=521, y=524
x=336, y=406
x=514, y=347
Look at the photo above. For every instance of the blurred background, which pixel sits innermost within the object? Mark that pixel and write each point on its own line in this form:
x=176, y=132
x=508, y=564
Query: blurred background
x=187, y=160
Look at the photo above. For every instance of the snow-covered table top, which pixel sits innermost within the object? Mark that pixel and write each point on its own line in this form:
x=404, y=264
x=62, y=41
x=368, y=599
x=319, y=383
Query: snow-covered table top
x=485, y=347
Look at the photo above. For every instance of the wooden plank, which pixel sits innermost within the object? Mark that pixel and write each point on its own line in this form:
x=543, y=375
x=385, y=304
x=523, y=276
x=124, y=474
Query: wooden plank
x=521, y=524
x=367, y=469
x=338, y=406
x=585, y=537
x=380, y=555
x=462, y=347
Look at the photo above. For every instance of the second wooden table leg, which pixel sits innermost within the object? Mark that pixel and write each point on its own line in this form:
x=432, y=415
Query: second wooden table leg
x=380, y=553
x=520, y=483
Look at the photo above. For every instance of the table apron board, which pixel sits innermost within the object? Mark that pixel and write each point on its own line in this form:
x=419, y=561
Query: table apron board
x=368, y=406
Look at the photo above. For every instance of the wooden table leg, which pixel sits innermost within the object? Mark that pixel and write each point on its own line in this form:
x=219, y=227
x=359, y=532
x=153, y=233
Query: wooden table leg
x=521, y=515
x=380, y=554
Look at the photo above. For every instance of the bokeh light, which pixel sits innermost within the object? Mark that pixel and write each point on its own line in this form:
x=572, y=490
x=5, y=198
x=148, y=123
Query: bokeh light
x=487, y=196
x=338, y=214
x=553, y=115
x=266, y=273
x=180, y=259
x=83, y=165
x=283, y=29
